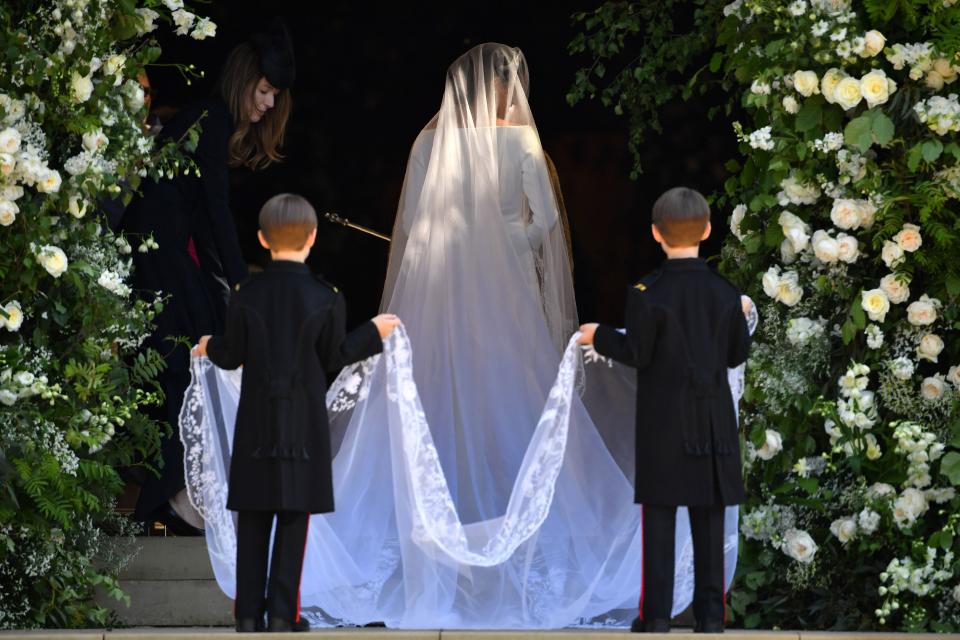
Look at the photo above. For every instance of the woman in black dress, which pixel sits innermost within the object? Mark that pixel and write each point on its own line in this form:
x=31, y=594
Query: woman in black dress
x=199, y=258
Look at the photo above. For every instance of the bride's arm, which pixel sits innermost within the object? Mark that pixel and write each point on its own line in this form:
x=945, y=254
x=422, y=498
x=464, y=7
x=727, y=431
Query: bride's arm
x=537, y=188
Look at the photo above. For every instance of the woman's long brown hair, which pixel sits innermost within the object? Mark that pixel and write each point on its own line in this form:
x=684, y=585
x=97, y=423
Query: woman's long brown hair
x=255, y=145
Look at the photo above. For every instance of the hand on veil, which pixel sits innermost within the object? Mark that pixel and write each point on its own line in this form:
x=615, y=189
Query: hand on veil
x=385, y=323
x=587, y=332
x=201, y=348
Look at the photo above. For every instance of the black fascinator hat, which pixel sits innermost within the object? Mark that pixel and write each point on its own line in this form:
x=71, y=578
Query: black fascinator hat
x=275, y=49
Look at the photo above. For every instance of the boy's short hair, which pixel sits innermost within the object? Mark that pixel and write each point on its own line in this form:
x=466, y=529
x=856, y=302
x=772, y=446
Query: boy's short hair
x=287, y=220
x=681, y=216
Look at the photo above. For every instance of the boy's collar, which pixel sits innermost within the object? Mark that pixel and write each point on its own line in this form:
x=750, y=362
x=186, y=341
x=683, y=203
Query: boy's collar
x=288, y=265
x=685, y=263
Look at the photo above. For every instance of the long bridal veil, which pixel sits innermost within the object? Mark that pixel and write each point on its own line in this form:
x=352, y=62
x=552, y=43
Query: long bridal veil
x=472, y=486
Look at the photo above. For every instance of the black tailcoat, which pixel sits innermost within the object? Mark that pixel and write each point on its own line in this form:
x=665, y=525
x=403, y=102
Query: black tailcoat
x=286, y=328
x=684, y=328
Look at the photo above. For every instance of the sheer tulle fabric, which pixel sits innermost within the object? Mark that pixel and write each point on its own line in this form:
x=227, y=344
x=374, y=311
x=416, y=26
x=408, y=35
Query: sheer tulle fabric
x=473, y=487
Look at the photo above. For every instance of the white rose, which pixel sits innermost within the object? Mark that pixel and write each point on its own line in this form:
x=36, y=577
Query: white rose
x=77, y=207
x=876, y=304
x=8, y=212
x=896, y=289
x=148, y=19
x=868, y=520
x=205, y=29
x=799, y=546
x=902, y=368
x=844, y=529
x=846, y=214
x=849, y=248
x=789, y=291
x=9, y=140
x=114, y=64
x=81, y=87
x=909, y=238
x=135, y=96
x=790, y=105
x=788, y=254
x=908, y=507
x=826, y=248
x=806, y=83
x=184, y=20
x=7, y=164
x=847, y=93
x=771, y=446
x=930, y=347
x=49, y=182
x=934, y=80
x=771, y=281
x=829, y=83
x=933, y=388
x=53, y=259
x=795, y=230
x=873, y=42
x=173, y=5
x=892, y=254
x=11, y=192
x=954, y=376
x=923, y=312
x=875, y=87
x=736, y=219
x=7, y=397
x=95, y=140
x=14, y=316
x=24, y=378
x=880, y=490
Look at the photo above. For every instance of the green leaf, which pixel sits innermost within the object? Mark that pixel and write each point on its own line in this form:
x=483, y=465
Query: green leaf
x=859, y=133
x=857, y=315
x=931, y=150
x=809, y=116
x=882, y=129
x=953, y=284
x=716, y=62
x=849, y=332
x=950, y=467
x=914, y=157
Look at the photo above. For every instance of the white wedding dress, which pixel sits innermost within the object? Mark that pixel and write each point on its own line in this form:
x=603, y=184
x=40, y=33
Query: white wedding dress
x=483, y=469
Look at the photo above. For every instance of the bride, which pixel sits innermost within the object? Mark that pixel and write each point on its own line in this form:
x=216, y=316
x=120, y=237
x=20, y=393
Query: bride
x=472, y=487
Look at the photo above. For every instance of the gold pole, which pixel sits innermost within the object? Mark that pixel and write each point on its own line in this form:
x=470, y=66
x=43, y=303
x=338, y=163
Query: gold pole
x=332, y=217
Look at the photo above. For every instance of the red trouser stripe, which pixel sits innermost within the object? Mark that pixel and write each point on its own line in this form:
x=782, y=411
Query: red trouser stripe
x=643, y=573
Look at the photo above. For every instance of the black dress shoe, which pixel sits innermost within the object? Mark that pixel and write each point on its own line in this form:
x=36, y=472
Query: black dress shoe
x=249, y=625
x=656, y=625
x=176, y=525
x=278, y=625
x=709, y=626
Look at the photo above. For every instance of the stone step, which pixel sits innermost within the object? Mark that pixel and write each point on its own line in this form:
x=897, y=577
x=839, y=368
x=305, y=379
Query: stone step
x=172, y=603
x=170, y=558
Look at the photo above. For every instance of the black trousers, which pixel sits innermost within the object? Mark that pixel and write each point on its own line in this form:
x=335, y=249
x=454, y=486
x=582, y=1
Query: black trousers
x=659, y=533
x=280, y=595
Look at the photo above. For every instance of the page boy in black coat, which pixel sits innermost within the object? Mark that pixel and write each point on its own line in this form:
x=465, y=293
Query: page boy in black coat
x=286, y=327
x=685, y=326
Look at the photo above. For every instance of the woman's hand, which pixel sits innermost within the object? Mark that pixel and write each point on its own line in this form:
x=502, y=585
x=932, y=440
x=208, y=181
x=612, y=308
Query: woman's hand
x=386, y=323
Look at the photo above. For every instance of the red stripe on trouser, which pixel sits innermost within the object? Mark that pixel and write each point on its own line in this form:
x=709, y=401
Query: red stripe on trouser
x=306, y=535
x=643, y=573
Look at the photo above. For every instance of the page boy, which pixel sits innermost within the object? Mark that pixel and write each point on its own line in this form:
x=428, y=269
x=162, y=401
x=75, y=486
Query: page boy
x=286, y=327
x=684, y=327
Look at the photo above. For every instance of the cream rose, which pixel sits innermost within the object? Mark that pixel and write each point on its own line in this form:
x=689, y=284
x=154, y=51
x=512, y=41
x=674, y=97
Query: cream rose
x=806, y=83
x=897, y=290
x=81, y=87
x=875, y=87
x=849, y=248
x=799, y=546
x=892, y=254
x=772, y=445
x=771, y=282
x=844, y=529
x=909, y=238
x=789, y=291
x=790, y=105
x=933, y=388
x=846, y=213
x=826, y=248
x=829, y=82
x=795, y=230
x=923, y=312
x=114, y=64
x=7, y=164
x=930, y=347
x=847, y=93
x=53, y=259
x=934, y=80
x=95, y=140
x=77, y=207
x=908, y=507
x=953, y=376
x=49, y=182
x=14, y=316
x=736, y=219
x=8, y=212
x=873, y=42
x=788, y=255
x=946, y=70
x=9, y=140
x=876, y=304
